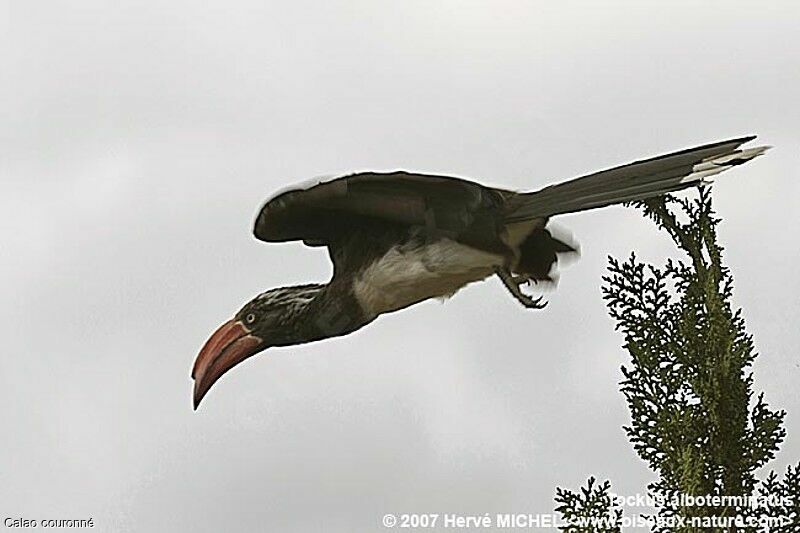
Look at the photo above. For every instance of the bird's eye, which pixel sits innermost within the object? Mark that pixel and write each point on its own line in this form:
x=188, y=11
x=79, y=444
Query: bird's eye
x=250, y=318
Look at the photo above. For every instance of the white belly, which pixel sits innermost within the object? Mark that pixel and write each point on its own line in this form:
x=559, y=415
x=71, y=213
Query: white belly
x=410, y=273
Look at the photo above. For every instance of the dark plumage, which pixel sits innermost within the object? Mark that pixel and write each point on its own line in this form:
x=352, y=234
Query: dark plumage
x=398, y=238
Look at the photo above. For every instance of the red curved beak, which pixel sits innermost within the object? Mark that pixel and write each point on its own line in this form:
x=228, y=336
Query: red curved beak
x=231, y=344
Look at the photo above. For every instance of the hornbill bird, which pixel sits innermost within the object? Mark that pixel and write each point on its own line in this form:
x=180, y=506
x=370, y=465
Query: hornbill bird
x=398, y=238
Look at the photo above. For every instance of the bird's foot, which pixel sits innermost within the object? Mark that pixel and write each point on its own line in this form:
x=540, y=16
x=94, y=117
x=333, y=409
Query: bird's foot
x=522, y=280
x=513, y=284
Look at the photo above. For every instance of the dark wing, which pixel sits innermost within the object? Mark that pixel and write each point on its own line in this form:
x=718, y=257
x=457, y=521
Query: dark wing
x=327, y=212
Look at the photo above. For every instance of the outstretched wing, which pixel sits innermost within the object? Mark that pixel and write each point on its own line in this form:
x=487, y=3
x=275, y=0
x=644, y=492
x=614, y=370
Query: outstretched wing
x=326, y=212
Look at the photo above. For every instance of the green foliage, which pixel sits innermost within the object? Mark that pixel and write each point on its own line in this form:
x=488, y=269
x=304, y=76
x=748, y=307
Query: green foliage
x=592, y=509
x=689, y=387
x=788, y=490
x=695, y=419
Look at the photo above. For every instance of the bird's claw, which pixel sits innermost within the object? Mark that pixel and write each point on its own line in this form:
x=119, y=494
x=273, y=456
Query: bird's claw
x=513, y=283
x=523, y=280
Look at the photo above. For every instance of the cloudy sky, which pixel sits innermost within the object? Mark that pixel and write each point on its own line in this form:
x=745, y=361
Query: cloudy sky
x=138, y=141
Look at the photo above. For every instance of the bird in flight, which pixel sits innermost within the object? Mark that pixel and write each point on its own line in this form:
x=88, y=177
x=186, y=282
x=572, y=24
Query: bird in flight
x=398, y=238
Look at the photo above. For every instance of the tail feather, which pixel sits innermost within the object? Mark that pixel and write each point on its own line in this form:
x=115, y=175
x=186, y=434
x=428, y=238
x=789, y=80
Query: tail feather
x=634, y=181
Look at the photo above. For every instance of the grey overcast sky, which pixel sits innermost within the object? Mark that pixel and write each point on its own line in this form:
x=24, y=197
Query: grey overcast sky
x=138, y=140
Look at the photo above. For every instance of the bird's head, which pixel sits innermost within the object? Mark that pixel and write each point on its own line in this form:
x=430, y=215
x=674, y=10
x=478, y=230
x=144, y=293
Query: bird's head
x=273, y=318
